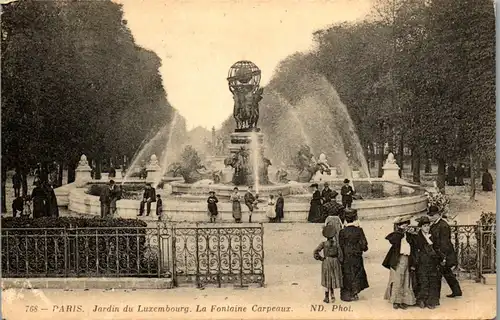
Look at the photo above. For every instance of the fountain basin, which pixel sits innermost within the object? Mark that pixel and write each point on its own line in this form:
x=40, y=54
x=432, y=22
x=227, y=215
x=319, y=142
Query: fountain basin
x=193, y=208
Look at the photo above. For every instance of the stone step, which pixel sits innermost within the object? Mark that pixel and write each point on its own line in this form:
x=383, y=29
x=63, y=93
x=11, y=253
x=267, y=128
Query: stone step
x=490, y=279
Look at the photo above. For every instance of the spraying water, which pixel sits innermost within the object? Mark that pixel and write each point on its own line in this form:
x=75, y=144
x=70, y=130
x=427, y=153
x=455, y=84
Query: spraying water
x=142, y=152
x=317, y=117
x=254, y=145
x=166, y=152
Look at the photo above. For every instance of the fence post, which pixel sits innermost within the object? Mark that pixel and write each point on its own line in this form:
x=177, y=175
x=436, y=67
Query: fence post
x=198, y=284
x=174, y=256
x=263, y=282
x=479, y=235
x=65, y=232
x=160, y=255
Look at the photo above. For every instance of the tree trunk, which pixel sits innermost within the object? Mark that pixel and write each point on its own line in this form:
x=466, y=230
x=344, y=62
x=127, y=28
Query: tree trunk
x=401, y=152
x=98, y=169
x=441, y=175
x=71, y=171
x=24, y=183
x=472, y=177
x=60, y=174
x=373, y=155
x=415, y=163
x=381, y=161
x=4, y=189
x=428, y=165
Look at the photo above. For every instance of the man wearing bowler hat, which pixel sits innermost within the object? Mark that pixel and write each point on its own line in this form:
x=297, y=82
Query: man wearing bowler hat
x=441, y=238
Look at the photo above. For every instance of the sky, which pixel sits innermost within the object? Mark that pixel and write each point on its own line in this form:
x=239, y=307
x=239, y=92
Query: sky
x=199, y=40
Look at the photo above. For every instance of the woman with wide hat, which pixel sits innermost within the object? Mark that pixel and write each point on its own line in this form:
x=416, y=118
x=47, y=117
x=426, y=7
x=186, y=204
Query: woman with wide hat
x=353, y=243
x=331, y=271
x=400, y=260
x=315, y=211
x=428, y=272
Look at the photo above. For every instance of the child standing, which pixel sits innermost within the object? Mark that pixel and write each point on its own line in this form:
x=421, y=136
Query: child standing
x=212, y=206
x=159, y=207
x=271, y=209
x=331, y=271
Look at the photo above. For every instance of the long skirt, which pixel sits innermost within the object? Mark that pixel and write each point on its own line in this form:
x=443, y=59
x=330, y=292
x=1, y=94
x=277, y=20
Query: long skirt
x=400, y=290
x=316, y=213
x=354, y=277
x=429, y=281
x=331, y=273
x=237, y=210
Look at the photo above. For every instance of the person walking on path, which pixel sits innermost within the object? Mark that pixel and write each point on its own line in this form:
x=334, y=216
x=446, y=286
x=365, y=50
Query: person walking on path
x=400, y=260
x=428, y=288
x=441, y=239
x=353, y=243
x=331, y=270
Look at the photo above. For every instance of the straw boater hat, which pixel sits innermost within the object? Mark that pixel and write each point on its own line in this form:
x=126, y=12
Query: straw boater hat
x=423, y=220
x=211, y=191
x=346, y=181
x=402, y=220
x=329, y=231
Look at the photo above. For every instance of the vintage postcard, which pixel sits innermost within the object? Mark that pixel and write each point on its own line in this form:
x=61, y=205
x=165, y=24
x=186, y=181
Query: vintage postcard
x=217, y=159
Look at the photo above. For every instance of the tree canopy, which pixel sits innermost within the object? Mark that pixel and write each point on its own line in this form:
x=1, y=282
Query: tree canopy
x=74, y=81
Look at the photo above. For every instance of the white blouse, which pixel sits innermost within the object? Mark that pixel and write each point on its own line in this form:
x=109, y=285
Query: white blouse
x=427, y=237
x=405, y=247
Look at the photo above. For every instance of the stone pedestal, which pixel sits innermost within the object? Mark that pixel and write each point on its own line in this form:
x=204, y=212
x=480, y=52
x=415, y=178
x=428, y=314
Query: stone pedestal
x=355, y=174
x=153, y=170
x=252, y=142
x=245, y=140
x=83, y=172
x=391, y=169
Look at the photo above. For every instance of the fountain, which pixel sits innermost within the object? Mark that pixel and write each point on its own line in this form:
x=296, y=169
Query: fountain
x=246, y=165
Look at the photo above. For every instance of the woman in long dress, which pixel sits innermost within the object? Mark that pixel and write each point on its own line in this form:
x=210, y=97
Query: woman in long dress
x=236, y=200
x=271, y=209
x=280, y=207
x=428, y=268
x=331, y=270
x=353, y=243
x=39, y=198
x=400, y=260
x=315, y=211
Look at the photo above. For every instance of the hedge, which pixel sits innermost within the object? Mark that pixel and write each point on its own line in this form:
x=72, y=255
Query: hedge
x=65, y=247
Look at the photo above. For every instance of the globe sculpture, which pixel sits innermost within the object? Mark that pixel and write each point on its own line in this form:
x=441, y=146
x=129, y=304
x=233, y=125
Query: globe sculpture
x=247, y=153
x=243, y=81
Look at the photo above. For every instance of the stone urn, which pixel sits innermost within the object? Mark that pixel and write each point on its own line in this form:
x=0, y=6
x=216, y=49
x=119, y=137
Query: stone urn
x=83, y=172
x=153, y=170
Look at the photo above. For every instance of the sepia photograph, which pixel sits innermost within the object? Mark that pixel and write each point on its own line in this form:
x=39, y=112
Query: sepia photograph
x=248, y=159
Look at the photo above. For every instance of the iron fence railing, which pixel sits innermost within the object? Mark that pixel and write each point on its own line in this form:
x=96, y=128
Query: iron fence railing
x=199, y=254
x=475, y=246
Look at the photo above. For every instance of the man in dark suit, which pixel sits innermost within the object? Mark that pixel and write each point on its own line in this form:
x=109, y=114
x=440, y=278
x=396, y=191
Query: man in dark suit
x=327, y=193
x=148, y=197
x=347, y=192
x=441, y=238
x=105, y=199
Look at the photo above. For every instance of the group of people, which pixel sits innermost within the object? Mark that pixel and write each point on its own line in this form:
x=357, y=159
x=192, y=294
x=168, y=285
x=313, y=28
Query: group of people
x=341, y=254
x=324, y=203
x=43, y=197
x=274, y=211
x=108, y=198
x=455, y=177
x=418, y=260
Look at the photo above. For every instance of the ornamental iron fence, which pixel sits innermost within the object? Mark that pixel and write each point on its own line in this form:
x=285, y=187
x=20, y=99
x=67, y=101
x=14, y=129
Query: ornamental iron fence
x=475, y=246
x=199, y=254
